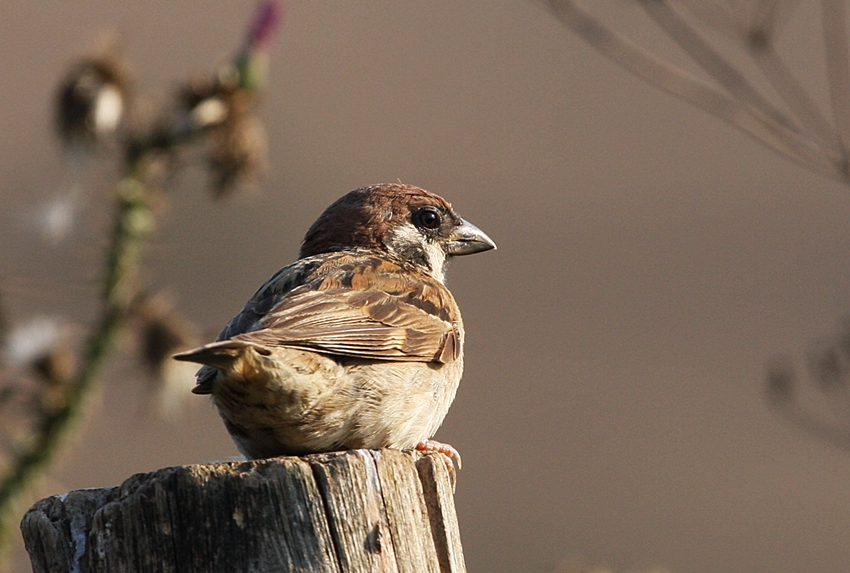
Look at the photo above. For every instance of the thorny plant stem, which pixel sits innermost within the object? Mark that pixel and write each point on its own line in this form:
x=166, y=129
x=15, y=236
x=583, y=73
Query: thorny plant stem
x=133, y=224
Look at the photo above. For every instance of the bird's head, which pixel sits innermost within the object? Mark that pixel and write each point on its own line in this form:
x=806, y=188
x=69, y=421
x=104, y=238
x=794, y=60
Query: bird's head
x=408, y=224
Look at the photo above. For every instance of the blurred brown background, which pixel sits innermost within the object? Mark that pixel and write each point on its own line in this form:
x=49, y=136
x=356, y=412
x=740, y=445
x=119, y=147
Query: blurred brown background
x=651, y=262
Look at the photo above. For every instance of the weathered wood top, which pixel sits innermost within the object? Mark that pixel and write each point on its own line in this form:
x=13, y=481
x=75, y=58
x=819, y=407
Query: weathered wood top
x=355, y=511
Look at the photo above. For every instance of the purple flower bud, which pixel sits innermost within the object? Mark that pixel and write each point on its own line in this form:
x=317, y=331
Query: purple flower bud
x=266, y=22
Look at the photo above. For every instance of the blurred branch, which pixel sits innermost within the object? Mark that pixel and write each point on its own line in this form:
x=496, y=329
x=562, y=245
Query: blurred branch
x=802, y=134
x=837, y=70
x=91, y=104
x=133, y=224
x=821, y=407
x=784, y=118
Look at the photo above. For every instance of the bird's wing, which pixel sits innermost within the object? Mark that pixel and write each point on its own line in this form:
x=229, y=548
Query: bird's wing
x=280, y=285
x=367, y=308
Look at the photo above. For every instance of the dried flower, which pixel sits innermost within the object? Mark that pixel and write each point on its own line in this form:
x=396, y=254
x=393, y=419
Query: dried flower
x=237, y=156
x=56, y=367
x=162, y=332
x=91, y=102
x=222, y=109
x=204, y=103
x=42, y=345
x=30, y=342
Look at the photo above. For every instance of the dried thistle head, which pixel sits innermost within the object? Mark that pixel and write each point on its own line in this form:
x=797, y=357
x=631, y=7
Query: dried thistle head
x=237, y=155
x=92, y=101
x=161, y=332
x=56, y=366
x=239, y=148
x=220, y=110
x=55, y=371
x=217, y=109
x=205, y=103
x=42, y=346
x=29, y=342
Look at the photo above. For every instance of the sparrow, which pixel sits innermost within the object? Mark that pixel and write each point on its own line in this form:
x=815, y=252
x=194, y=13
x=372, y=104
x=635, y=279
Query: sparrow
x=358, y=343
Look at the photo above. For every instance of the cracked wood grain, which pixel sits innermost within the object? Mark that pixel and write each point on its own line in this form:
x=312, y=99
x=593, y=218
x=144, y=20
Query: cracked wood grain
x=348, y=511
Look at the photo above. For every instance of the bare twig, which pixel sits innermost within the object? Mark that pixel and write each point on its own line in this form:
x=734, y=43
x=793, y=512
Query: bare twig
x=804, y=136
x=837, y=59
x=784, y=117
x=781, y=137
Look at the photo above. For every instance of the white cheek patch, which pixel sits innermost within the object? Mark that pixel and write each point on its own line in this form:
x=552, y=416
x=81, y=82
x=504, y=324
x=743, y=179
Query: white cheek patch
x=436, y=259
x=406, y=237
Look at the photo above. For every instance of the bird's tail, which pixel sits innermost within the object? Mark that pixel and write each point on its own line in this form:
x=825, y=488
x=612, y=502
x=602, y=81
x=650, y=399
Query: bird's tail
x=218, y=355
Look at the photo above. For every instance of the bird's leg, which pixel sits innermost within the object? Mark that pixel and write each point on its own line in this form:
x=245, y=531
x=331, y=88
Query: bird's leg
x=452, y=456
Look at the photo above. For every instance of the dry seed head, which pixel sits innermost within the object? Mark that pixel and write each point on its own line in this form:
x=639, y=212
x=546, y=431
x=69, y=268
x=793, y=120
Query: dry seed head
x=92, y=101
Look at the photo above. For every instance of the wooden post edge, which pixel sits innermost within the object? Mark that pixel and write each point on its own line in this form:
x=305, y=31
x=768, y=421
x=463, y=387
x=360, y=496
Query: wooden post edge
x=360, y=510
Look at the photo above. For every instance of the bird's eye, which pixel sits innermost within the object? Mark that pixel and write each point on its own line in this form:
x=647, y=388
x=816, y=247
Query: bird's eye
x=427, y=219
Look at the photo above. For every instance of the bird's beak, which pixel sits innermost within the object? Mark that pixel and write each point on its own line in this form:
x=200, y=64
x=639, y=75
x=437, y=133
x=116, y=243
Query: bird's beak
x=467, y=239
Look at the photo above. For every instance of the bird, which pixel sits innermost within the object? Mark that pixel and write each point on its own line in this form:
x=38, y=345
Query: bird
x=358, y=344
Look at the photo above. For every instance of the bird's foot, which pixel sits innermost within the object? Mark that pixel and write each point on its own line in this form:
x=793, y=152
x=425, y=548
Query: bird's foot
x=451, y=455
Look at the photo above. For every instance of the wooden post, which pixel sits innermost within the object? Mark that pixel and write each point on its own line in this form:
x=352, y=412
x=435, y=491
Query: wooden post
x=361, y=510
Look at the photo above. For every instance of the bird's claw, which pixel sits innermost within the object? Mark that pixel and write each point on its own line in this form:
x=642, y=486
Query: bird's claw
x=451, y=455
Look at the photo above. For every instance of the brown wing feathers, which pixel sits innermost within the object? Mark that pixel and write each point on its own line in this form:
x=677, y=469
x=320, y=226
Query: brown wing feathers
x=354, y=306
x=380, y=315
